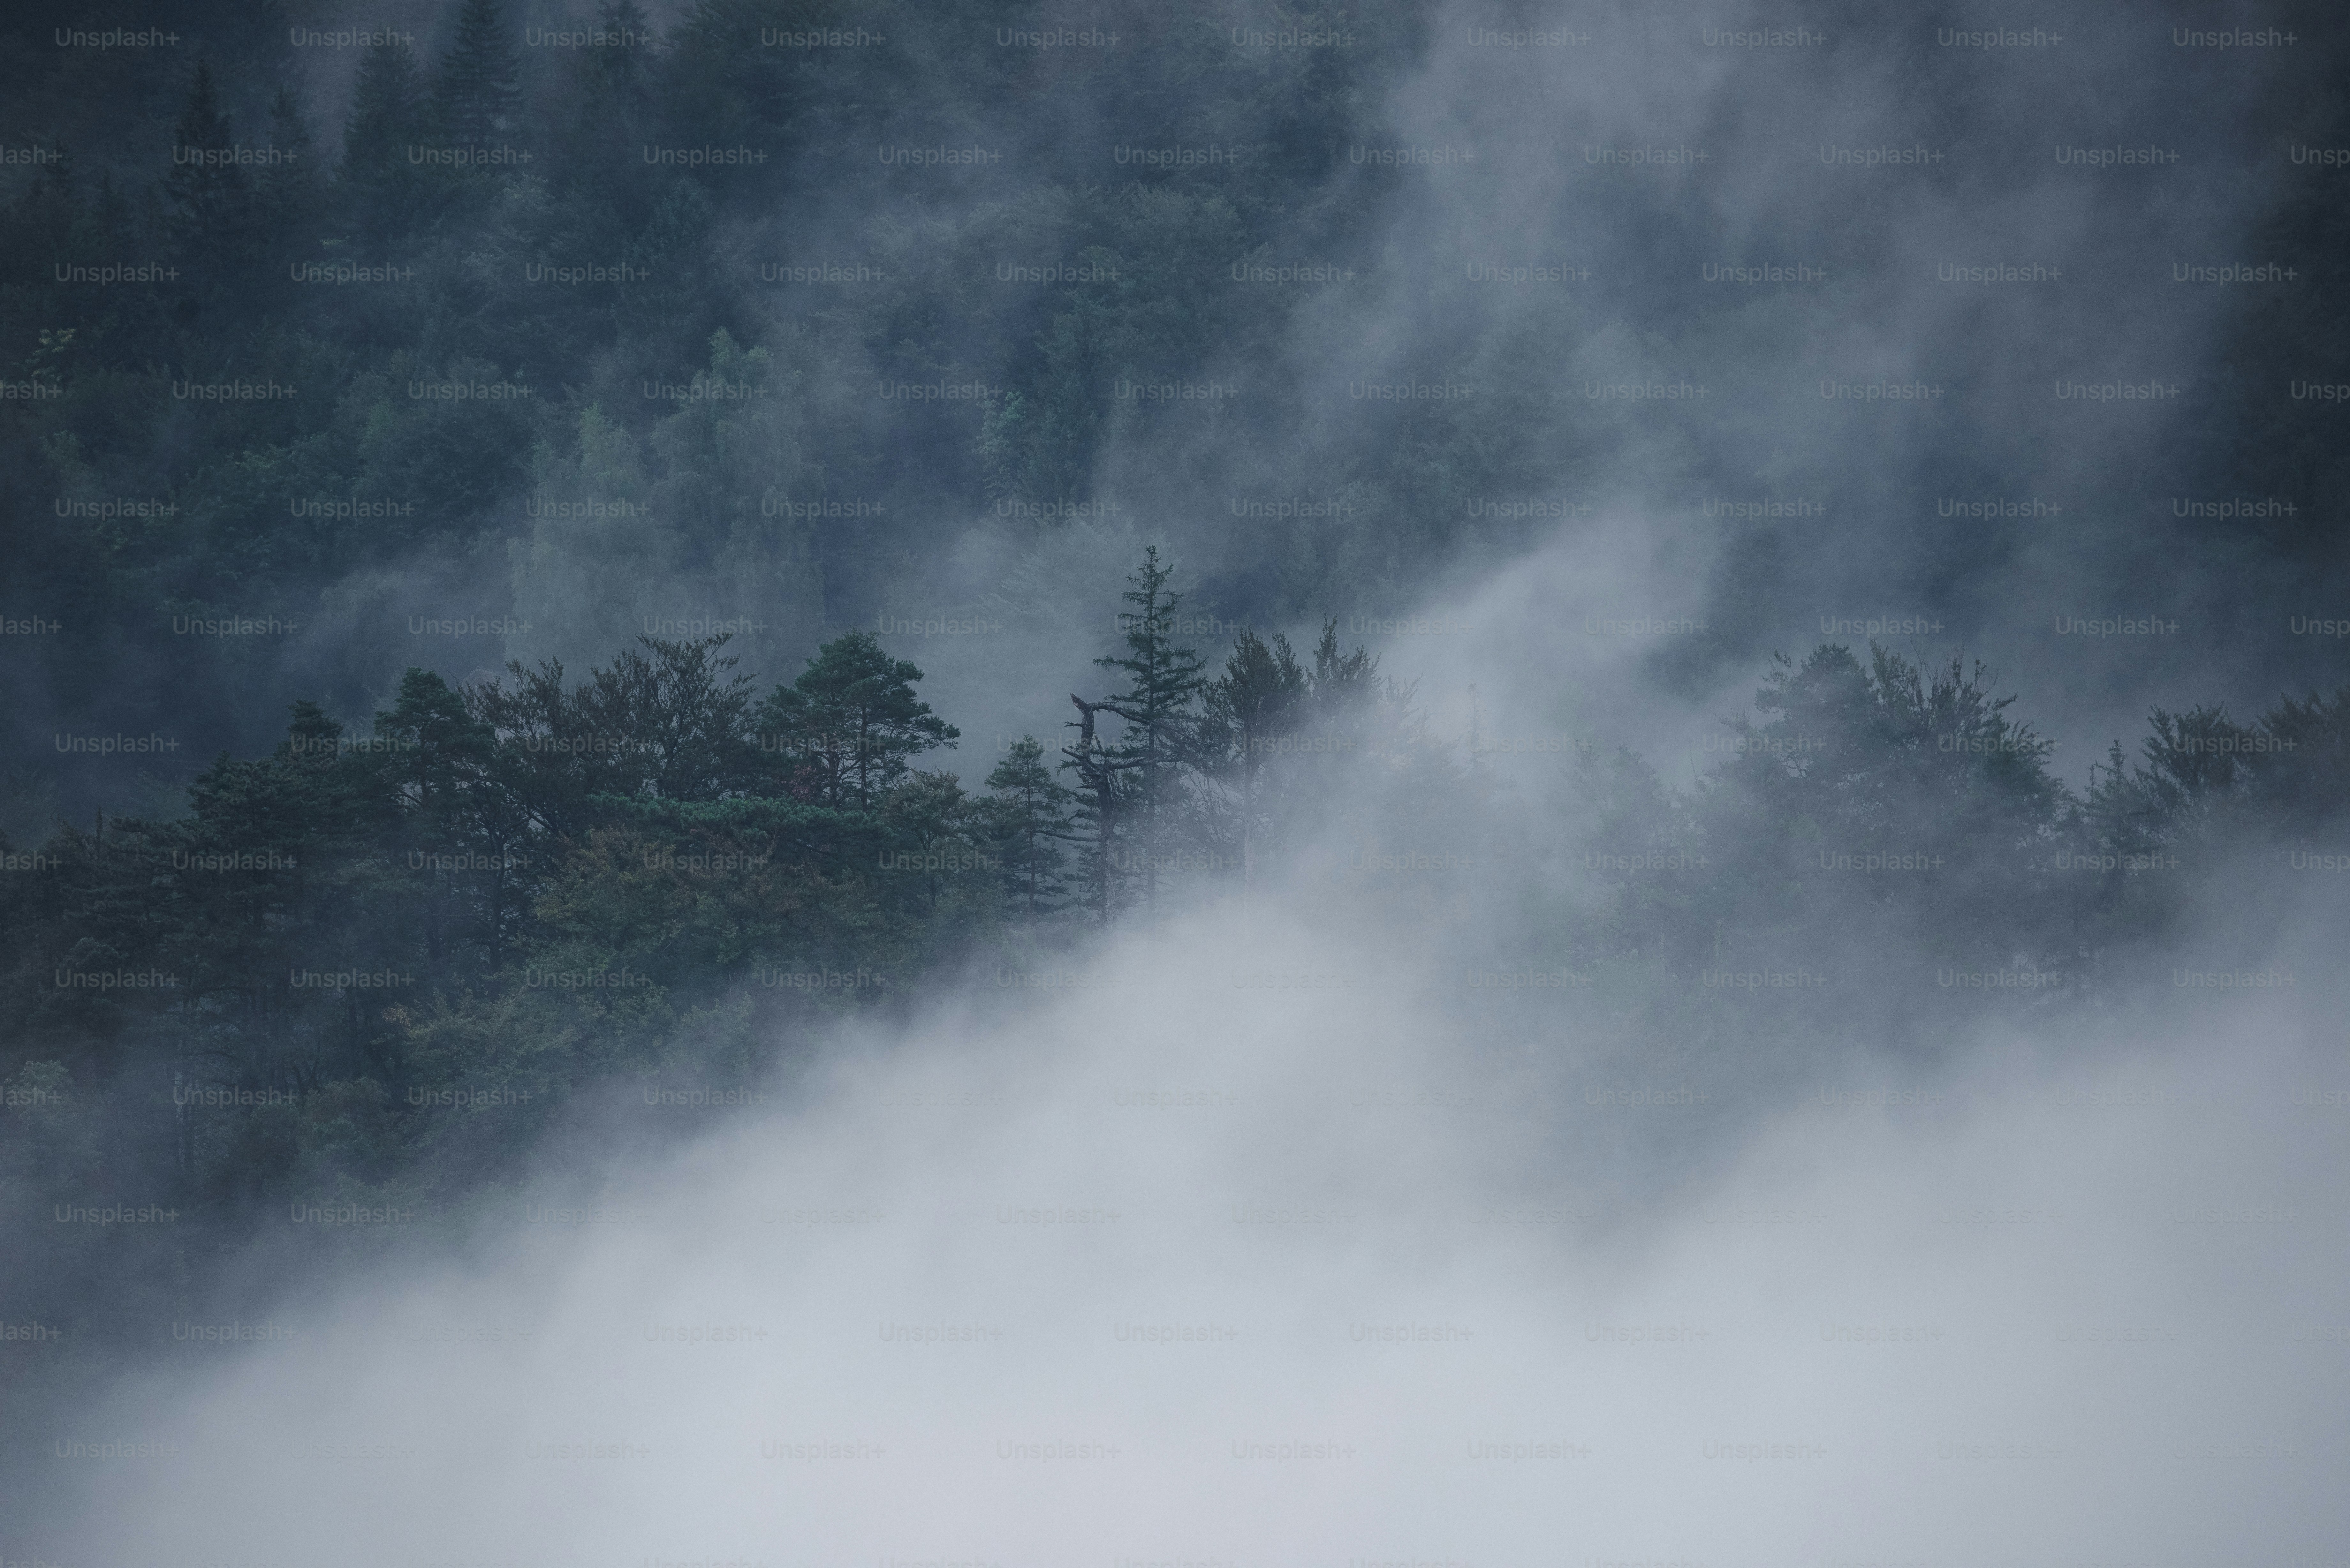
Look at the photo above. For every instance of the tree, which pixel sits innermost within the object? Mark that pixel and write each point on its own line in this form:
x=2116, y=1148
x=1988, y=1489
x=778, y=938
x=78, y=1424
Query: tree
x=291, y=193
x=596, y=111
x=382, y=193
x=212, y=199
x=476, y=94
x=669, y=722
x=1026, y=817
x=461, y=851
x=436, y=748
x=1889, y=811
x=1098, y=824
x=2200, y=775
x=847, y=729
x=1250, y=709
x=681, y=717
x=2300, y=766
x=927, y=815
x=1345, y=689
x=1161, y=744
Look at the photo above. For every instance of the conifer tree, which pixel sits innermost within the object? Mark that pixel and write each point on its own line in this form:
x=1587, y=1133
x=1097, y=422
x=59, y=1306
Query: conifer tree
x=597, y=110
x=292, y=192
x=379, y=185
x=927, y=814
x=1163, y=684
x=851, y=724
x=1028, y=816
x=477, y=91
x=1098, y=824
x=212, y=198
x=1250, y=708
x=2300, y=767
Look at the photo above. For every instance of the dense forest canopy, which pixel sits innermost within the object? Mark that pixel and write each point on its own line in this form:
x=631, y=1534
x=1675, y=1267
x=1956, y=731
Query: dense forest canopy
x=446, y=334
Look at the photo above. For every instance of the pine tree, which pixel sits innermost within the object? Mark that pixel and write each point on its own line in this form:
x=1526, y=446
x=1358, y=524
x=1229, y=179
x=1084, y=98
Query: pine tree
x=597, y=110
x=927, y=814
x=477, y=92
x=435, y=759
x=2300, y=768
x=1250, y=708
x=1346, y=687
x=850, y=726
x=292, y=192
x=213, y=207
x=1028, y=815
x=382, y=192
x=1158, y=705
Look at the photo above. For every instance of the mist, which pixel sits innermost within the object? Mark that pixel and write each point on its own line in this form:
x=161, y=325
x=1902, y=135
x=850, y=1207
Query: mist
x=1413, y=786
x=1242, y=1244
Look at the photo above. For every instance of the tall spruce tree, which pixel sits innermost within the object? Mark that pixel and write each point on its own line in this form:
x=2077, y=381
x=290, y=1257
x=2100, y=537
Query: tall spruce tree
x=477, y=90
x=1028, y=815
x=1250, y=709
x=1163, y=684
x=1097, y=825
x=382, y=194
x=292, y=192
x=212, y=210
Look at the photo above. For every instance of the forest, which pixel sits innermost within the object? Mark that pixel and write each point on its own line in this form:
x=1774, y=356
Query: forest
x=439, y=517
x=361, y=974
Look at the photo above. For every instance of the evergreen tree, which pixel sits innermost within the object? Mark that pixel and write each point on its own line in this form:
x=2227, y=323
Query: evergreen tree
x=846, y=729
x=2300, y=764
x=1881, y=765
x=1160, y=746
x=476, y=92
x=1027, y=817
x=212, y=207
x=927, y=816
x=292, y=193
x=461, y=854
x=671, y=722
x=599, y=110
x=1098, y=824
x=1252, y=709
x=382, y=189
x=1337, y=674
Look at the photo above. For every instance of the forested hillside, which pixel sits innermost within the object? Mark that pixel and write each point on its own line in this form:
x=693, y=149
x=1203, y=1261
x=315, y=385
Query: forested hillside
x=362, y=972
x=467, y=476
x=443, y=335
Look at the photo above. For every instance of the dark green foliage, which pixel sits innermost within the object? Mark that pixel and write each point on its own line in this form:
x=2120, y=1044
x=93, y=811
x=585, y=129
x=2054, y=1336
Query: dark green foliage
x=447, y=267
x=2299, y=761
x=514, y=890
x=476, y=91
x=1026, y=818
x=844, y=732
x=213, y=206
x=2203, y=781
x=1161, y=747
x=383, y=192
